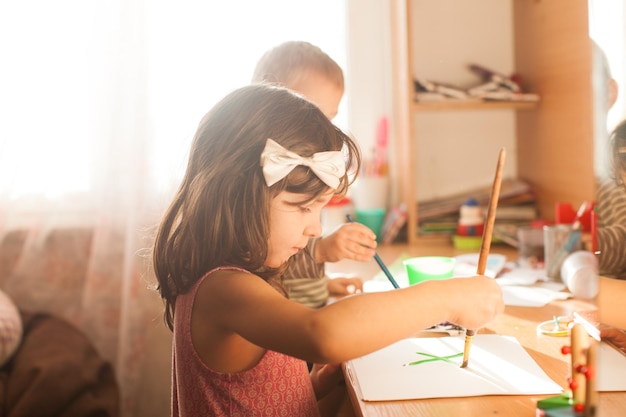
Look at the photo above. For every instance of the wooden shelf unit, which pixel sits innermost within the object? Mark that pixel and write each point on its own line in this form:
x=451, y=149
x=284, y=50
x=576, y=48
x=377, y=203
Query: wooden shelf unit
x=451, y=105
x=554, y=137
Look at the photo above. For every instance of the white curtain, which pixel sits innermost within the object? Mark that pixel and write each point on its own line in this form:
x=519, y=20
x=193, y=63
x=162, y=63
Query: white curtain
x=98, y=103
x=607, y=26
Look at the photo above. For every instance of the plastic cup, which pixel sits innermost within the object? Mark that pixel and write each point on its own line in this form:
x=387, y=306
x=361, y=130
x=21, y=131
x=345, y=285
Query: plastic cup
x=425, y=268
x=531, y=248
x=372, y=218
x=580, y=274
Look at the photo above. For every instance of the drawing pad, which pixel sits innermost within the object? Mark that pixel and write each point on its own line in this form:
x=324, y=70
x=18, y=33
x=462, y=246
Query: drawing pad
x=498, y=365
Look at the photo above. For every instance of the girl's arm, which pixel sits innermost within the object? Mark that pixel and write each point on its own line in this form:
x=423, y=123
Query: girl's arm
x=245, y=305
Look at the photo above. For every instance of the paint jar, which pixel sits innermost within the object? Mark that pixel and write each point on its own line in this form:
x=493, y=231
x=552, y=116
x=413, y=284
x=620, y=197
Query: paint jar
x=530, y=246
x=373, y=218
x=425, y=268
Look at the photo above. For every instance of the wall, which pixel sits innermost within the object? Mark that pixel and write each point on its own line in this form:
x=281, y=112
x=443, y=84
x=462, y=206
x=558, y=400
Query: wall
x=448, y=35
x=368, y=72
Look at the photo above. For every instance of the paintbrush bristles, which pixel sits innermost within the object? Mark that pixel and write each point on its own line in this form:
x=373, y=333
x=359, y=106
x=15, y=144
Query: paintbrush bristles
x=466, y=349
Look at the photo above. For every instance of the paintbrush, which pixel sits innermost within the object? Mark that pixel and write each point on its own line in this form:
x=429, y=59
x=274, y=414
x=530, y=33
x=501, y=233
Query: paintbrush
x=485, y=243
x=379, y=262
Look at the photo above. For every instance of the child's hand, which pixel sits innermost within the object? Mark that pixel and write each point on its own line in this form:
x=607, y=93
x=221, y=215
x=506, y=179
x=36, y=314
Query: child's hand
x=326, y=378
x=348, y=241
x=616, y=336
x=345, y=286
x=476, y=300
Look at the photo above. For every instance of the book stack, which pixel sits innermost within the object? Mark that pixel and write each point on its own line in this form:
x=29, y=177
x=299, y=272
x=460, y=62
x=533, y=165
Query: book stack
x=516, y=207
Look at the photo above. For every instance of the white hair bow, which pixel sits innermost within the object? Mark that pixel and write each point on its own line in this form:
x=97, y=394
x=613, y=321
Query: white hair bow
x=277, y=162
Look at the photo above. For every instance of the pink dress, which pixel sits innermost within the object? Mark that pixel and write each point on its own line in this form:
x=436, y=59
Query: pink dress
x=279, y=385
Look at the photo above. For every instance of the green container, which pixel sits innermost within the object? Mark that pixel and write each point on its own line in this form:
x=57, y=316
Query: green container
x=425, y=268
x=372, y=218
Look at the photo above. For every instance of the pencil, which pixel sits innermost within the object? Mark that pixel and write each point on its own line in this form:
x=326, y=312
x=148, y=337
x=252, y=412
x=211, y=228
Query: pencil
x=485, y=243
x=380, y=262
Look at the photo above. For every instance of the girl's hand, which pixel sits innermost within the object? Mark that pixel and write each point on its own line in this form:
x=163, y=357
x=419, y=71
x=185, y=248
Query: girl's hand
x=348, y=241
x=345, y=286
x=325, y=378
x=475, y=300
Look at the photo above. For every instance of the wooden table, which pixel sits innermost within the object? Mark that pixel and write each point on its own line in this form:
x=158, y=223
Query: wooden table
x=520, y=322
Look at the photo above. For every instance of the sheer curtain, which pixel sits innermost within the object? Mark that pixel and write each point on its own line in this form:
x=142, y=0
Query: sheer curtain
x=607, y=23
x=607, y=26
x=99, y=101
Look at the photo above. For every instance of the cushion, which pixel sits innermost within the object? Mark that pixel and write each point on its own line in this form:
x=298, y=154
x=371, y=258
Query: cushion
x=10, y=328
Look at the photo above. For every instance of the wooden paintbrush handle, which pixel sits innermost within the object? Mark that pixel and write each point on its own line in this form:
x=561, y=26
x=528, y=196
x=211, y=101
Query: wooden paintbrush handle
x=485, y=243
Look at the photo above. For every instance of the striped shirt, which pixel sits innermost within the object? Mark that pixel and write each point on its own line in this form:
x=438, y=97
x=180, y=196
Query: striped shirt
x=611, y=211
x=305, y=280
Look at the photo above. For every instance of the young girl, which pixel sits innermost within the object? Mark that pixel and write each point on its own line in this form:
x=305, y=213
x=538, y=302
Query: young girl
x=263, y=164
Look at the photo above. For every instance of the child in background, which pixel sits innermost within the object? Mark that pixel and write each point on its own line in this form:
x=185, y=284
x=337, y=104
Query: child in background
x=262, y=165
x=610, y=192
x=611, y=210
x=306, y=69
x=605, y=90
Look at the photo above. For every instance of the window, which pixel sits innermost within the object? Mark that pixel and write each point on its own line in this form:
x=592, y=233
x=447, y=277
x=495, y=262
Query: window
x=91, y=88
x=607, y=22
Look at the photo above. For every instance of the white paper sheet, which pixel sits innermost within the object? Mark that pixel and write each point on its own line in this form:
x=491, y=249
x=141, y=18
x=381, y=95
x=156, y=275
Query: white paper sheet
x=498, y=365
x=611, y=369
x=467, y=264
x=537, y=295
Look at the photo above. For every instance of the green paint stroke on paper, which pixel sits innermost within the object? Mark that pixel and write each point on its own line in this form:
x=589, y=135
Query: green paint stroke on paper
x=433, y=358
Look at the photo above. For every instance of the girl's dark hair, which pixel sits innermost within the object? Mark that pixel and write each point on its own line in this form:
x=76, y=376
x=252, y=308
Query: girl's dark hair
x=220, y=214
x=618, y=141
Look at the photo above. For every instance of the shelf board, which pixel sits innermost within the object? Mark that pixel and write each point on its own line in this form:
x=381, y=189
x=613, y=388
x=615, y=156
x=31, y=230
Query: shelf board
x=472, y=105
